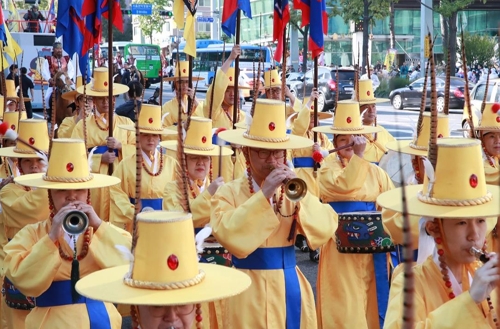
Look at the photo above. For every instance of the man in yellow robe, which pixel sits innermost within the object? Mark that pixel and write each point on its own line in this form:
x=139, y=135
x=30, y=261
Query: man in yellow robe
x=353, y=297
x=65, y=130
x=57, y=304
x=157, y=170
x=94, y=130
x=22, y=205
x=273, y=86
x=489, y=133
x=170, y=109
x=257, y=224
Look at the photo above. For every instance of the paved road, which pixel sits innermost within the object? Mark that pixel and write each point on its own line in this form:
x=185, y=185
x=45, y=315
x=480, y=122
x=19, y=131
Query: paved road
x=399, y=123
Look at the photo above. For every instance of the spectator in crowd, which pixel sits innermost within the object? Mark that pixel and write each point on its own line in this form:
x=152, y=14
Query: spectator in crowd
x=127, y=109
x=403, y=71
x=414, y=75
x=32, y=16
x=136, y=75
x=27, y=85
x=13, y=71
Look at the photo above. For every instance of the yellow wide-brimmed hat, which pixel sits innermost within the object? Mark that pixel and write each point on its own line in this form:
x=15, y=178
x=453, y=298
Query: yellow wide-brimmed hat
x=231, y=77
x=181, y=72
x=198, y=139
x=150, y=121
x=347, y=121
x=366, y=94
x=13, y=118
x=490, y=119
x=164, y=273
x=10, y=87
x=267, y=129
x=68, y=169
x=420, y=144
x=272, y=79
x=456, y=189
x=35, y=133
x=99, y=87
x=73, y=94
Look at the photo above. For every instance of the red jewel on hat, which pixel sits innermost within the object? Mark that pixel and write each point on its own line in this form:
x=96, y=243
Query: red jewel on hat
x=183, y=70
x=349, y=120
x=230, y=78
x=203, y=139
x=70, y=167
x=272, y=126
x=105, y=83
x=368, y=92
x=498, y=119
x=440, y=136
x=31, y=141
x=173, y=262
x=495, y=107
x=150, y=120
x=272, y=80
x=13, y=127
x=473, y=181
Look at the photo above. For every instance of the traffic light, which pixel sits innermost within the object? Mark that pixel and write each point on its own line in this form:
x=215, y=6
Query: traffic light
x=126, y=12
x=167, y=13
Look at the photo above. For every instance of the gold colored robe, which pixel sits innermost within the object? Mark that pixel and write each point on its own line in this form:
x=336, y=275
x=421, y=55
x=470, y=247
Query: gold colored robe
x=172, y=108
x=348, y=299
x=432, y=306
x=152, y=187
x=492, y=173
x=242, y=223
x=65, y=130
x=301, y=128
x=375, y=149
x=32, y=247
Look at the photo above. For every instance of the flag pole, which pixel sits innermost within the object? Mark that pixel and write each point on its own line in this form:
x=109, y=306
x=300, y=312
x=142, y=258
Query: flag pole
x=236, y=72
x=283, y=68
x=190, y=82
x=110, y=78
x=315, y=83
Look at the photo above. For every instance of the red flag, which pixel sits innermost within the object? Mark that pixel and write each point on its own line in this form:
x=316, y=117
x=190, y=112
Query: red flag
x=281, y=19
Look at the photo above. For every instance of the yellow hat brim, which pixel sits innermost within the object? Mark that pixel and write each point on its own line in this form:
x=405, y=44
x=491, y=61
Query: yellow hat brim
x=172, y=145
x=236, y=137
x=164, y=131
x=392, y=200
x=373, y=101
x=321, y=115
x=70, y=95
x=118, y=89
x=107, y=285
x=10, y=153
x=330, y=130
x=485, y=128
x=36, y=180
x=239, y=87
x=404, y=147
x=241, y=125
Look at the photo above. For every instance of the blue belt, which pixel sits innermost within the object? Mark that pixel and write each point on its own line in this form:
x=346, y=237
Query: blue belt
x=379, y=260
x=375, y=163
x=59, y=294
x=303, y=162
x=279, y=258
x=156, y=204
x=101, y=149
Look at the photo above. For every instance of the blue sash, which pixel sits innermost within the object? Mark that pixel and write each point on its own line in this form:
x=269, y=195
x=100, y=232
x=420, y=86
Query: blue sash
x=375, y=163
x=379, y=260
x=156, y=204
x=59, y=294
x=214, y=141
x=278, y=258
x=101, y=149
x=303, y=162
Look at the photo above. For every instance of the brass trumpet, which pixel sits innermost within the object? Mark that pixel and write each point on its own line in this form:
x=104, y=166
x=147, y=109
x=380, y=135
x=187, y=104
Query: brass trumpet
x=295, y=188
x=479, y=254
x=75, y=222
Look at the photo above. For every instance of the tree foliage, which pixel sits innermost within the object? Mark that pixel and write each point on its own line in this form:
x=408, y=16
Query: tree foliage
x=353, y=10
x=478, y=48
x=155, y=22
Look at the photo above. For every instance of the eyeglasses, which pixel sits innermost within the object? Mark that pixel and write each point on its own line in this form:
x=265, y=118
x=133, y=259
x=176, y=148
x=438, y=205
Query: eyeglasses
x=198, y=158
x=264, y=154
x=161, y=311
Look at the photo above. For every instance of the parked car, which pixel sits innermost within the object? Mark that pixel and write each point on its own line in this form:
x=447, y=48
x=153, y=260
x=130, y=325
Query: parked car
x=327, y=85
x=411, y=95
x=248, y=76
x=476, y=100
x=292, y=80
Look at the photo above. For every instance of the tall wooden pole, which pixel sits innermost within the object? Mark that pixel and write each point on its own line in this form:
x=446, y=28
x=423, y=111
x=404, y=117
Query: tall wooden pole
x=110, y=79
x=283, y=68
x=190, y=83
x=236, y=72
x=315, y=83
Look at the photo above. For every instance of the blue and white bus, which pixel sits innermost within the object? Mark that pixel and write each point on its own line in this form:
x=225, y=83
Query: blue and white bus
x=209, y=56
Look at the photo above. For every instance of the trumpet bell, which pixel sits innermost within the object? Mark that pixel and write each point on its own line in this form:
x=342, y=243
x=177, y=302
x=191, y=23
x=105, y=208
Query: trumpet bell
x=75, y=222
x=295, y=189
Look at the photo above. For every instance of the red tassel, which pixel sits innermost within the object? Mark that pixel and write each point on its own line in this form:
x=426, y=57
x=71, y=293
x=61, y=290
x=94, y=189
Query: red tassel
x=317, y=156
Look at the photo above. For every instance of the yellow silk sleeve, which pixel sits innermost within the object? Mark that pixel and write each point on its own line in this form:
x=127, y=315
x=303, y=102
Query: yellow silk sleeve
x=95, y=165
x=122, y=211
x=168, y=120
x=393, y=225
x=339, y=184
x=317, y=221
x=220, y=84
x=301, y=123
x=103, y=245
x=66, y=128
x=200, y=207
x=492, y=174
x=241, y=229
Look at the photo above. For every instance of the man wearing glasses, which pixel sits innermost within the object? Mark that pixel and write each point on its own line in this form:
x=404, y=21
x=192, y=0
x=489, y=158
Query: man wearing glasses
x=272, y=84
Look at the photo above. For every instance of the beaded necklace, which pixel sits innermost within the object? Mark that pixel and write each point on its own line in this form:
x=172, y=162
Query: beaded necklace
x=490, y=158
x=416, y=169
x=159, y=170
x=98, y=125
x=341, y=160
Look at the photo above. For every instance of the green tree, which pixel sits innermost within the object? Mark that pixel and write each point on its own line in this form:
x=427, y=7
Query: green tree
x=478, y=48
x=202, y=35
x=155, y=22
x=365, y=11
x=448, y=9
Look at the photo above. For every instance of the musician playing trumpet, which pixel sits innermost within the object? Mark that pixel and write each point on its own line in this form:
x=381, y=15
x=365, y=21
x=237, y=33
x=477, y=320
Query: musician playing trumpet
x=255, y=221
x=350, y=183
